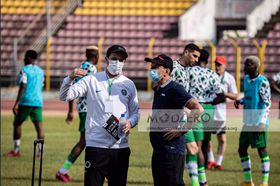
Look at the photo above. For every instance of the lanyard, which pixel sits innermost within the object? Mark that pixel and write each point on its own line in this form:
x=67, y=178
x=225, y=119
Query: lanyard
x=110, y=85
x=222, y=80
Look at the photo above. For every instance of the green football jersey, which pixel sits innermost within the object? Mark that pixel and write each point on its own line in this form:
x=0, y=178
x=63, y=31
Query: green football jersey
x=180, y=74
x=204, y=84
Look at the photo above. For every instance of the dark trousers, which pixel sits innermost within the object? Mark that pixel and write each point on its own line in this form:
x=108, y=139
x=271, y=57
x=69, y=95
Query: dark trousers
x=168, y=169
x=109, y=163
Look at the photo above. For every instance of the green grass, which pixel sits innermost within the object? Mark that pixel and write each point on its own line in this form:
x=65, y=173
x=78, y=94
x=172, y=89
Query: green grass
x=60, y=138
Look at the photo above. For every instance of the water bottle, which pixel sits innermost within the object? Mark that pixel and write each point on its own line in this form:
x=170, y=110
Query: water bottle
x=122, y=123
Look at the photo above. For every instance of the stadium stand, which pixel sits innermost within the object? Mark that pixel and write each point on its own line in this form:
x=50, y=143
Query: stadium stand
x=128, y=23
x=271, y=57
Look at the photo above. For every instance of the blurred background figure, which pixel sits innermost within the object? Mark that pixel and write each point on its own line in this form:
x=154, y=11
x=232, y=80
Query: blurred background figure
x=29, y=101
x=229, y=88
x=92, y=56
x=273, y=84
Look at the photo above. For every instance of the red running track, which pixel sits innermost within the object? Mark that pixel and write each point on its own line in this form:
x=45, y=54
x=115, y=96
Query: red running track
x=56, y=107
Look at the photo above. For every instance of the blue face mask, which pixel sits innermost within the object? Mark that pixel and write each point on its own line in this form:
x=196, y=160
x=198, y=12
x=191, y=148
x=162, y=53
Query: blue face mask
x=153, y=75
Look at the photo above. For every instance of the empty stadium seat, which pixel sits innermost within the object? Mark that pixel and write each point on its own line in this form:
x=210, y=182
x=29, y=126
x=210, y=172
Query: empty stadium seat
x=277, y=26
x=129, y=23
x=139, y=8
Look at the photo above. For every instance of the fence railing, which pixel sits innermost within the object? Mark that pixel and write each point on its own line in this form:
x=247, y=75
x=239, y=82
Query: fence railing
x=40, y=41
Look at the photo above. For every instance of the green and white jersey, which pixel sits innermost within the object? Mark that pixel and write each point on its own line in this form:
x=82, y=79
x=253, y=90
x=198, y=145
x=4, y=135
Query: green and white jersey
x=276, y=78
x=204, y=84
x=82, y=102
x=180, y=74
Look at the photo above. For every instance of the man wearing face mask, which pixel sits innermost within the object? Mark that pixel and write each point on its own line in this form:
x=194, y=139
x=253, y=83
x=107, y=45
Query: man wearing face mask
x=109, y=94
x=92, y=56
x=168, y=147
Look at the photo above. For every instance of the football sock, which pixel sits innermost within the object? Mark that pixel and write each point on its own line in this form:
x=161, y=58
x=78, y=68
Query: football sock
x=191, y=161
x=211, y=157
x=219, y=160
x=265, y=167
x=201, y=173
x=66, y=166
x=246, y=164
x=16, y=145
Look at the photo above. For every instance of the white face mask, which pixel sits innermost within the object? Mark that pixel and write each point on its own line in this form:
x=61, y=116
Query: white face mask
x=115, y=67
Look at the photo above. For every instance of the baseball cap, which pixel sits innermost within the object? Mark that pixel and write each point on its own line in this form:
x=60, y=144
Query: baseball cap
x=116, y=48
x=162, y=60
x=221, y=60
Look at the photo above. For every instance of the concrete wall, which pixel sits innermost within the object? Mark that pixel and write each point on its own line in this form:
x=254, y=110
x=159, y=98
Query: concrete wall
x=198, y=22
x=261, y=14
x=234, y=9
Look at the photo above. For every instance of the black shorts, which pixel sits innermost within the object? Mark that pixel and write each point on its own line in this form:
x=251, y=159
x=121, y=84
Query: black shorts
x=168, y=169
x=218, y=127
x=109, y=163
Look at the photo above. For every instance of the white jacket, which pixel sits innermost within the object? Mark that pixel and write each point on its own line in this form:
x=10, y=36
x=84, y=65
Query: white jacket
x=96, y=88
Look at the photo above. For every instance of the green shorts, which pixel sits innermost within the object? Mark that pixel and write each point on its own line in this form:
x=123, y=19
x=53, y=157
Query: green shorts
x=253, y=138
x=198, y=131
x=23, y=112
x=82, y=116
x=207, y=118
x=206, y=121
x=189, y=136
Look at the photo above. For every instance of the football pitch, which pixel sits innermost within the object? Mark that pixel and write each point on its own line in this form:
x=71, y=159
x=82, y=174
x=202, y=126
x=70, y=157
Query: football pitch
x=60, y=139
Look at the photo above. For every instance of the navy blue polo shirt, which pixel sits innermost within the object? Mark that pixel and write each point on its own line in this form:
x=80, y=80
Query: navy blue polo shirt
x=170, y=96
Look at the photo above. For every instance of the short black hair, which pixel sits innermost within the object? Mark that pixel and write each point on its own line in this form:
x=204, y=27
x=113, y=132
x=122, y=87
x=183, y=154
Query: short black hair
x=192, y=47
x=204, y=55
x=31, y=53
